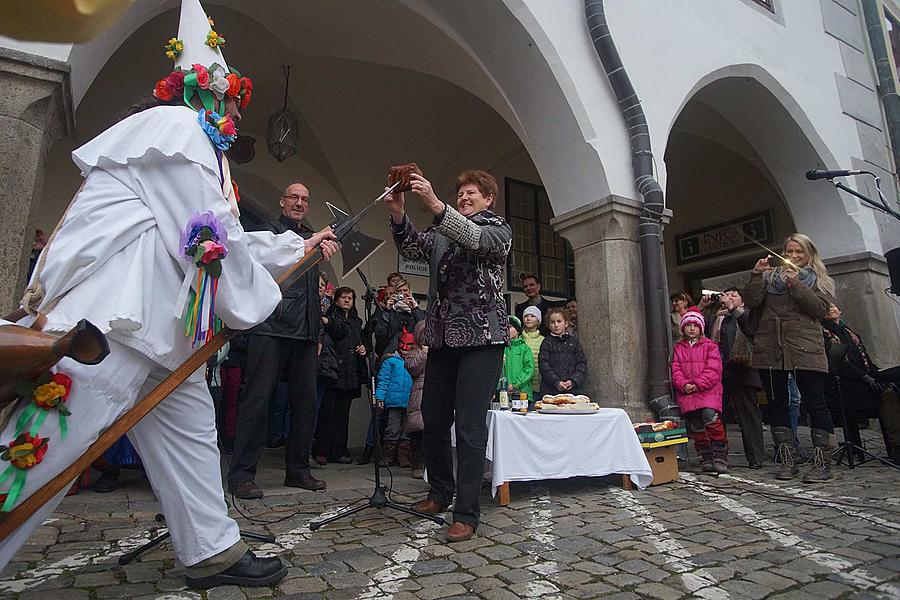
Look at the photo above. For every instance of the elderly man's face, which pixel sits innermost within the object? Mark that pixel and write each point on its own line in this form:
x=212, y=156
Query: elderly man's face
x=295, y=202
x=531, y=287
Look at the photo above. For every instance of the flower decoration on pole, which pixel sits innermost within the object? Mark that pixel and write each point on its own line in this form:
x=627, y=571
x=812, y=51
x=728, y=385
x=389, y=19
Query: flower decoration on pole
x=22, y=454
x=174, y=48
x=203, y=242
x=283, y=129
x=48, y=393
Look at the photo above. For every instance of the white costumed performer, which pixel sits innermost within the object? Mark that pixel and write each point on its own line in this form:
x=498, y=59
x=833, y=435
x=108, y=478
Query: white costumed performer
x=151, y=251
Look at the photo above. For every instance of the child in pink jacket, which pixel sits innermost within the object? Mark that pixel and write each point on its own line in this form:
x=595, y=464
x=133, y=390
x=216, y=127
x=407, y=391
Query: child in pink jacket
x=697, y=378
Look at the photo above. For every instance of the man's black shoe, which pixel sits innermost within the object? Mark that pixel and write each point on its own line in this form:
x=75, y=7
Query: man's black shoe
x=307, y=482
x=248, y=571
x=246, y=490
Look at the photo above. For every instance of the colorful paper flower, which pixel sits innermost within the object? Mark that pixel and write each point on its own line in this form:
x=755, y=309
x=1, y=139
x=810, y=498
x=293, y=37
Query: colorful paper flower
x=202, y=76
x=219, y=83
x=225, y=125
x=209, y=122
x=175, y=81
x=211, y=251
x=193, y=233
x=214, y=40
x=245, y=98
x=234, y=85
x=25, y=451
x=163, y=91
x=174, y=47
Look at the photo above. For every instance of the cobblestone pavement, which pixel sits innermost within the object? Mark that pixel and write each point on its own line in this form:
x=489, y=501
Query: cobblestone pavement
x=738, y=536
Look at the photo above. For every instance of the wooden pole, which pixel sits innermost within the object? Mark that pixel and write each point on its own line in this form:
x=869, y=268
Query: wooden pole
x=123, y=424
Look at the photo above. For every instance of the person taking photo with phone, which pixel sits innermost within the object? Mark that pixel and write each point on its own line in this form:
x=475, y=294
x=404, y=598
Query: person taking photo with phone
x=792, y=296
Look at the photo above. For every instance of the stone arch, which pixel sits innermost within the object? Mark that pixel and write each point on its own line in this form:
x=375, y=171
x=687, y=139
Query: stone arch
x=785, y=144
x=480, y=51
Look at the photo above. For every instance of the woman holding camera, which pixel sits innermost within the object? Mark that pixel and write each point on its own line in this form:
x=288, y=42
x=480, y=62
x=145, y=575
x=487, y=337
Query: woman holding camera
x=466, y=331
x=791, y=299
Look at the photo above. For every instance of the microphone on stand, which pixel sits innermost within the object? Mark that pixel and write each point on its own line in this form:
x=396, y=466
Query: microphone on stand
x=814, y=174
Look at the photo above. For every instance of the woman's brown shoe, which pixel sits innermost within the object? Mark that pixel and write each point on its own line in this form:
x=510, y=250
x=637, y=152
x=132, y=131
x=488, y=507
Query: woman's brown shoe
x=429, y=507
x=460, y=532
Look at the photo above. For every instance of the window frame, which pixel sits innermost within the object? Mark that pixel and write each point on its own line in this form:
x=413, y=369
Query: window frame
x=767, y=4
x=512, y=277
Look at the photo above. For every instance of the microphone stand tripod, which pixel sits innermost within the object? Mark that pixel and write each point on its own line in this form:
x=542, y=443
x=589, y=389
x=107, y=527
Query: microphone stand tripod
x=159, y=518
x=378, y=499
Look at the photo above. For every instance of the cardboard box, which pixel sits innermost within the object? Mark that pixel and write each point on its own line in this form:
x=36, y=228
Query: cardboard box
x=661, y=436
x=664, y=463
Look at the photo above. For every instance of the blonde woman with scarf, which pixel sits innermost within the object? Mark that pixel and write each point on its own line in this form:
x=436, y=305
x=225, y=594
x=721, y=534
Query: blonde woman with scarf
x=791, y=298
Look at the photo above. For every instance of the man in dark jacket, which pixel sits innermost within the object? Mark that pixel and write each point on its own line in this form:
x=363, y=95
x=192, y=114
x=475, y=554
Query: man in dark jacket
x=741, y=383
x=285, y=342
x=531, y=285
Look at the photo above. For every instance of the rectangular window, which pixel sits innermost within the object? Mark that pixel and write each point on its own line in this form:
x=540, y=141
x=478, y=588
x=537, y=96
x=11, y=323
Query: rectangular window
x=536, y=247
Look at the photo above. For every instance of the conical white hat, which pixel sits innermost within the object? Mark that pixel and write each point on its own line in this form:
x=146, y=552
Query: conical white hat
x=193, y=29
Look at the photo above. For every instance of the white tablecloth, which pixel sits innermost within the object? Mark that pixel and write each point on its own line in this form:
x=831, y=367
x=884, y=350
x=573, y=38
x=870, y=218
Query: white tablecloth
x=541, y=446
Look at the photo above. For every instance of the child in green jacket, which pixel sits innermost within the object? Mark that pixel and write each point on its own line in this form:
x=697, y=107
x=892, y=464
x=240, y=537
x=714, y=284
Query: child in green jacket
x=518, y=362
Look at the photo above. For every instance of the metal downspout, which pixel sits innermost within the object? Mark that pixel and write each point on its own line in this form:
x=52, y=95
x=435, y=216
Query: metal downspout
x=654, y=279
x=887, y=87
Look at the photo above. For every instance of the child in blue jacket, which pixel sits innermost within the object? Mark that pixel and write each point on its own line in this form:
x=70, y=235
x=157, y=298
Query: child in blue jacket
x=392, y=393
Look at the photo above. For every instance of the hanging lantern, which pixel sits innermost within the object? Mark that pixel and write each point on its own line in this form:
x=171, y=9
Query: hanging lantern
x=283, y=129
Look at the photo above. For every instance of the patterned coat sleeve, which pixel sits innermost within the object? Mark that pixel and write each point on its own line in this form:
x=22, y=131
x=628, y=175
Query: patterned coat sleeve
x=411, y=243
x=486, y=240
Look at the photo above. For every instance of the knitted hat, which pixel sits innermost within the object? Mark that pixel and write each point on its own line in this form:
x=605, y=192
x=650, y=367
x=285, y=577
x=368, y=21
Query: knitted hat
x=534, y=311
x=515, y=322
x=693, y=315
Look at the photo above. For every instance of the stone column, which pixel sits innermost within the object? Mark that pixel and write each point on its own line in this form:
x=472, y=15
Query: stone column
x=860, y=280
x=611, y=322
x=35, y=111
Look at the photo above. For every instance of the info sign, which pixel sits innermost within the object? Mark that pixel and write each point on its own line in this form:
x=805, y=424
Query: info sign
x=724, y=238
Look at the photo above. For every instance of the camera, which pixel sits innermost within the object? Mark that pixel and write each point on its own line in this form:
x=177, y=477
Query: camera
x=714, y=296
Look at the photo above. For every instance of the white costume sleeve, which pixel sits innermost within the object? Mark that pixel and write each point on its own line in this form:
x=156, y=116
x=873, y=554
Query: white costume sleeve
x=276, y=252
x=175, y=189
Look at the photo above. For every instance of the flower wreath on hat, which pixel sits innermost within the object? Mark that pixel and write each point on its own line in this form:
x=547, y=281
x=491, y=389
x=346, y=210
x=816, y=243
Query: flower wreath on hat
x=211, y=82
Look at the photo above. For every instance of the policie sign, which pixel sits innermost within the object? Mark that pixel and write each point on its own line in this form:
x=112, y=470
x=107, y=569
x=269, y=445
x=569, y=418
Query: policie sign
x=413, y=267
x=724, y=238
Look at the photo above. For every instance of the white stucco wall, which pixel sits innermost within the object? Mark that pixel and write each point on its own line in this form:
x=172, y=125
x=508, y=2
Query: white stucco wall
x=672, y=48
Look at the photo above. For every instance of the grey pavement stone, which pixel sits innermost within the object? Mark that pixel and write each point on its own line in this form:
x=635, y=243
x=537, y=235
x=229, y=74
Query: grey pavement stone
x=516, y=575
x=342, y=581
x=445, y=591
x=125, y=591
x=659, y=591
x=593, y=590
x=300, y=585
x=430, y=567
x=226, y=592
x=88, y=580
x=59, y=595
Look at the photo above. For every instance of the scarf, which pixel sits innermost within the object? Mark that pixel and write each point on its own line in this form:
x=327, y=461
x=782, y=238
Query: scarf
x=777, y=285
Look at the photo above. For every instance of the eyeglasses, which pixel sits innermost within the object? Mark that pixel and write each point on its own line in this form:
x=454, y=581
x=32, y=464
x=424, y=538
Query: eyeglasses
x=295, y=197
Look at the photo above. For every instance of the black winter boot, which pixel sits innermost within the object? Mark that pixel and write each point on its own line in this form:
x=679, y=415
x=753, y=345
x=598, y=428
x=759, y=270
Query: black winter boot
x=720, y=457
x=784, y=453
x=820, y=464
x=706, y=459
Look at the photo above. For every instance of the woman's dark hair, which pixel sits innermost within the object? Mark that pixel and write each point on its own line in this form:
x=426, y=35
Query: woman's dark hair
x=149, y=101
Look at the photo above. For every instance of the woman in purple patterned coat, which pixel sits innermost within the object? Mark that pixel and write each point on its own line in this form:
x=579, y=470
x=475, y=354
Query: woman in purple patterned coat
x=466, y=331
